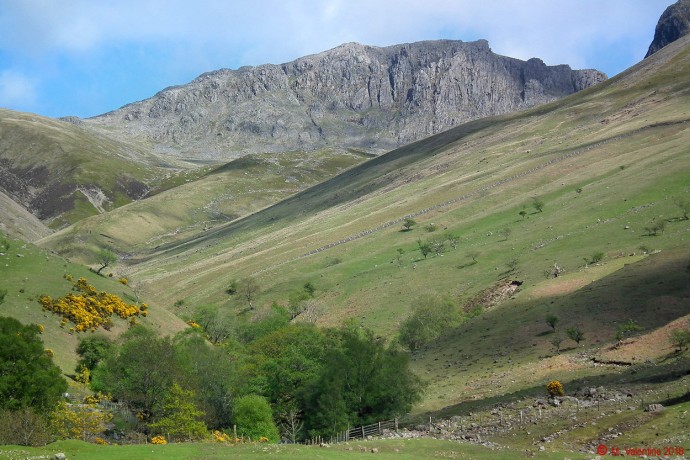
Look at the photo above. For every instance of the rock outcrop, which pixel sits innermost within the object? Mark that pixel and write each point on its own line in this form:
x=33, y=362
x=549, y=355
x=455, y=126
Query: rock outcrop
x=673, y=24
x=353, y=96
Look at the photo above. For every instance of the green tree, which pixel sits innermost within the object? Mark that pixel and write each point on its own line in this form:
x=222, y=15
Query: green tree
x=92, y=349
x=538, y=204
x=279, y=365
x=523, y=214
x=408, y=223
x=105, y=257
x=179, y=419
x=211, y=373
x=249, y=289
x=254, y=418
x=431, y=315
x=575, y=334
x=219, y=324
x=556, y=342
x=552, y=320
x=362, y=381
x=424, y=248
x=680, y=338
x=28, y=376
x=140, y=371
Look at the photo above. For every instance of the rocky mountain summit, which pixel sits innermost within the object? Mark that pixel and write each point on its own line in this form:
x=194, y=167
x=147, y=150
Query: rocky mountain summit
x=351, y=97
x=673, y=24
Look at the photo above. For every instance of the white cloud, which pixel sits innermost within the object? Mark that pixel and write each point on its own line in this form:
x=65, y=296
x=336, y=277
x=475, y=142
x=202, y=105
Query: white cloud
x=16, y=90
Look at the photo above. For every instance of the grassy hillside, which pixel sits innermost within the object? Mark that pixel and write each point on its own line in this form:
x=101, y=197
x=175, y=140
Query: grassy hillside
x=609, y=157
x=63, y=172
x=199, y=200
x=575, y=209
x=27, y=272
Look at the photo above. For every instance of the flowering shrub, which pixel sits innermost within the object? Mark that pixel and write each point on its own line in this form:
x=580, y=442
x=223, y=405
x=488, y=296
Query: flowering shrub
x=263, y=439
x=193, y=323
x=124, y=281
x=158, y=440
x=88, y=309
x=49, y=352
x=91, y=399
x=41, y=329
x=101, y=441
x=555, y=388
x=219, y=436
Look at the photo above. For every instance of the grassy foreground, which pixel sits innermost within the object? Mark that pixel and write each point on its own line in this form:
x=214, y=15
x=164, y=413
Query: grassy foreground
x=398, y=449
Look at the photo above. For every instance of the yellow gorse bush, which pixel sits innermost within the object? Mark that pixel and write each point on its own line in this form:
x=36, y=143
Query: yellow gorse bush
x=219, y=436
x=88, y=308
x=158, y=440
x=555, y=388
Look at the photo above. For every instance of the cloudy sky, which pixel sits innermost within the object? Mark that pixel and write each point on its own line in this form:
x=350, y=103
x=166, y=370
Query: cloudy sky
x=86, y=57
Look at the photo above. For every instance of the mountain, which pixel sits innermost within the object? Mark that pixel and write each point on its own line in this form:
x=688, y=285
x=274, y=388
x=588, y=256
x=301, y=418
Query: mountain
x=62, y=172
x=673, y=24
x=353, y=96
x=472, y=180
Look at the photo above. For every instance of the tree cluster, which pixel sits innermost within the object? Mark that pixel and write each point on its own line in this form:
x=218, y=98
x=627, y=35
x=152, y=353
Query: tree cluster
x=270, y=379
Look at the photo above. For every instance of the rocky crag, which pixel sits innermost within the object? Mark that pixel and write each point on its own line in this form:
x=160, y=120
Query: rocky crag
x=351, y=97
x=673, y=24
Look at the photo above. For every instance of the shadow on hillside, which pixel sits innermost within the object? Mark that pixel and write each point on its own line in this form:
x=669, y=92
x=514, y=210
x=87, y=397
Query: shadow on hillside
x=626, y=380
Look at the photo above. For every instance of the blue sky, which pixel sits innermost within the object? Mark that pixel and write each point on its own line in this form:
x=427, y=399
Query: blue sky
x=87, y=57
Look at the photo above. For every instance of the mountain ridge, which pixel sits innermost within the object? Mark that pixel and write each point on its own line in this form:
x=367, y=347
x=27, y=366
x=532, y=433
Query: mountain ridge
x=352, y=96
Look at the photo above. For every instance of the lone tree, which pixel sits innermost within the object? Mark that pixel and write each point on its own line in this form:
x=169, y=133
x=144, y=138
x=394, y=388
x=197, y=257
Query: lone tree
x=424, y=248
x=556, y=342
x=248, y=288
x=552, y=320
x=680, y=338
x=106, y=258
x=408, y=223
x=575, y=334
x=538, y=204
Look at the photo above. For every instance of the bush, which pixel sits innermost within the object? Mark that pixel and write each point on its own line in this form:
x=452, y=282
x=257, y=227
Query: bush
x=555, y=388
x=680, y=338
x=254, y=419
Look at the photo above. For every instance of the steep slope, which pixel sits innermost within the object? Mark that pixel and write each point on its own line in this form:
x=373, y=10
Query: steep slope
x=18, y=222
x=204, y=199
x=626, y=138
x=673, y=24
x=61, y=172
x=352, y=96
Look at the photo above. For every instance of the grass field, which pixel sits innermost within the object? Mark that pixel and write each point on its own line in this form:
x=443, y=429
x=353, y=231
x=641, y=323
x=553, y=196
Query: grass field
x=399, y=449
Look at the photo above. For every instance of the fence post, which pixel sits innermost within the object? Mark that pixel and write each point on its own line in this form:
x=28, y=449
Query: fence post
x=347, y=433
x=396, y=424
x=380, y=432
x=363, y=432
x=521, y=419
x=429, y=424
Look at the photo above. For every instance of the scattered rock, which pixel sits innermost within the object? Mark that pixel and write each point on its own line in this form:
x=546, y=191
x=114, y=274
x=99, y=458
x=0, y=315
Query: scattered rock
x=59, y=456
x=654, y=408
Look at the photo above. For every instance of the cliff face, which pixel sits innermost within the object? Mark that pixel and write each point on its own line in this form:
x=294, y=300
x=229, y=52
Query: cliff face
x=352, y=96
x=673, y=24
